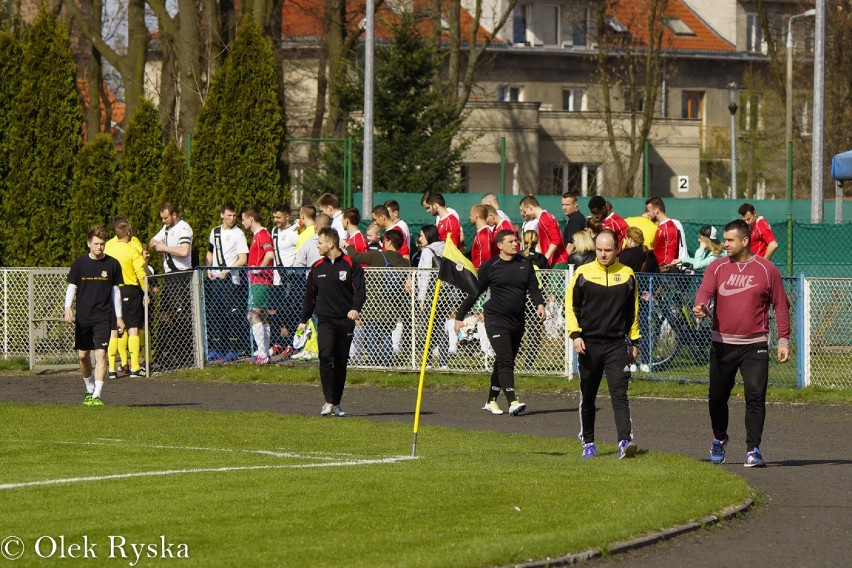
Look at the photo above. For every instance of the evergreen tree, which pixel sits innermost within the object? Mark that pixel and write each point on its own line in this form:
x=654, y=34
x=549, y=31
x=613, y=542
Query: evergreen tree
x=140, y=169
x=240, y=133
x=44, y=137
x=95, y=190
x=415, y=121
x=10, y=55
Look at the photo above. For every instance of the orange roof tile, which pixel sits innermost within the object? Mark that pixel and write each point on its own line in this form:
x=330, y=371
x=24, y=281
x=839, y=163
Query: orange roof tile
x=634, y=16
x=118, y=109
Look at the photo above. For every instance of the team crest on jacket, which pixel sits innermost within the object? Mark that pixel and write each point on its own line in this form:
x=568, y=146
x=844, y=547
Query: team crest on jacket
x=103, y=274
x=342, y=276
x=459, y=266
x=616, y=277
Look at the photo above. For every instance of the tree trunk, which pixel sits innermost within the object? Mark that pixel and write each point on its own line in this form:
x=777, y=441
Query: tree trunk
x=189, y=73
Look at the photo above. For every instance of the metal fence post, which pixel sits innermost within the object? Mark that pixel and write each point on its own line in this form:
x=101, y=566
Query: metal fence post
x=790, y=245
x=803, y=372
x=30, y=318
x=197, y=317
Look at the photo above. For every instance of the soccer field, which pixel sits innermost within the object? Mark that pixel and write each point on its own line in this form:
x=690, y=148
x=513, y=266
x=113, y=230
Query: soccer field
x=228, y=488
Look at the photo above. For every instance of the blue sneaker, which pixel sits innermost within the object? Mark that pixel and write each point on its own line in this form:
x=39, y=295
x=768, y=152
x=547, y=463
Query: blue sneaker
x=717, y=451
x=626, y=449
x=214, y=355
x=590, y=450
x=754, y=459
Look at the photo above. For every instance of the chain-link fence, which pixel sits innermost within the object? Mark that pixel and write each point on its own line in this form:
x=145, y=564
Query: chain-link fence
x=826, y=321
x=195, y=321
x=675, y=346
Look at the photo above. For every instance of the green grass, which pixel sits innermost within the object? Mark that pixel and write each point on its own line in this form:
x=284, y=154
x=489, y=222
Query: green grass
x=470, y=499
x=15, y=364
x=302, y=374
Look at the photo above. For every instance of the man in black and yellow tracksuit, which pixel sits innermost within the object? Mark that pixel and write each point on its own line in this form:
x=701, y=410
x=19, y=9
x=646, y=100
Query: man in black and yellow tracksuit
x=602, y=304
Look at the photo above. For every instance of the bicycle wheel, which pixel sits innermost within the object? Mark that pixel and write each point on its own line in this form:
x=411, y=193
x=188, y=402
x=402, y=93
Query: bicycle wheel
x=666, y=343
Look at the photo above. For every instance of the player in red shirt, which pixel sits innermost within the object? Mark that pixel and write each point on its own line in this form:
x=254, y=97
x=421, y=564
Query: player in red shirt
x=669, y=240
x=609, y=219
x=763, y=241
x=549, y=231
x=483, y=243
x=261, y=253
x=743, y=287
x=381, y=217
x=447, y=223
x=398, y=224
x=354, y=237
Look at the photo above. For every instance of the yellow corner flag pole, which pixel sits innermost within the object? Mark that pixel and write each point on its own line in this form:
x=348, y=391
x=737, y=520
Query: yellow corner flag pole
x=423, y=367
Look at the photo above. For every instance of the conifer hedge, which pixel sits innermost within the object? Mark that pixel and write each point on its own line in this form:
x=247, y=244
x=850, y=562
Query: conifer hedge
x=95, y=190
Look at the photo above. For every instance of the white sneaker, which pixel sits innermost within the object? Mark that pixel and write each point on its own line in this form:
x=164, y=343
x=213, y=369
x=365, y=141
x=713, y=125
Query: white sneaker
x=517, y=407
x=645, y=368
x=492, y=407
x=310, y=355
x=633, y=368
x=327, y=409
x=337, y=411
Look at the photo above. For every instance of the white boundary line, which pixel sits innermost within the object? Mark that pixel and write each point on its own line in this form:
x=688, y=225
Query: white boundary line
x=326, y=461
x=345, y=463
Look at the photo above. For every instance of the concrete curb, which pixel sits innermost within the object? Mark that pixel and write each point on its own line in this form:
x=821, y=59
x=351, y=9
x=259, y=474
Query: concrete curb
x=644, y=540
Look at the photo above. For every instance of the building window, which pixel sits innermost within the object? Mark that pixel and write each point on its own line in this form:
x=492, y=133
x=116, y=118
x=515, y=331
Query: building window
x=634, y=100
x=692, y=104
x=679, y=27
x=580, y=179
x=546, y=24
x=509, y=94
x=574, y=100
x=519, y=25
x=755, y=42
x=580, y=28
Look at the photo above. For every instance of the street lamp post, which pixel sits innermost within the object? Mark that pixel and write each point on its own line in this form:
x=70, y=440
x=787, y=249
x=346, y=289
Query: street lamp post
x=733, y=98
x=805, y=14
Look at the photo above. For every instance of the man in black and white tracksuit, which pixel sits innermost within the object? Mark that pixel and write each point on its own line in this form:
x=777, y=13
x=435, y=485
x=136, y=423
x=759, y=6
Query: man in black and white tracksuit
x=510, y=277
x=335, y=291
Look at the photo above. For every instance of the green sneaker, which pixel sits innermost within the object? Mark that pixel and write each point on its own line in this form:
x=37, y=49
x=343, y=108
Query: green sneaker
x=492, y=407
x=88, y=400
x=96, y=401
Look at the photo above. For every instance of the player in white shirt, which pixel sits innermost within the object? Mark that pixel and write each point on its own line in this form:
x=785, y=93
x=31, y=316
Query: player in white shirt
x=329, y=204
x=288, y=285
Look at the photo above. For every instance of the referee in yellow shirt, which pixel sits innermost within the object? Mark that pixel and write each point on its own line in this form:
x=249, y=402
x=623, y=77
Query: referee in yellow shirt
x=132, y=291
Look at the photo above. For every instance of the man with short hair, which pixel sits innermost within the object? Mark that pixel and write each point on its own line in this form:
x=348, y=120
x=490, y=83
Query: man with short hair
x=308, y=252
x=261, y=254
x=447, y=223
x=643, y=223
x=763, y=242
x=225, y=300
x=497, y=223
x=354, y=237
x=307, y=216
x=93, y=280
x=491, y=199
x=397, y=223
x=132, y=289
x=574, y=220
x=382, y=218
x=484, y=246
x=335, y=292
x=549, y=235
x=743, y=287
x=329, y=204
x=285, y=284
x=174, y=241
x=602, y=304
x=669, y=240
x=118, y=345
x=609, y=218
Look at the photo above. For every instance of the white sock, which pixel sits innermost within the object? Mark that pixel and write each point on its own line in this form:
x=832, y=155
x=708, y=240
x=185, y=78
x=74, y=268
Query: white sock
x=266, y=334
x=98, y=386
x=396, y=337
x=90, y=384
x=257, y=332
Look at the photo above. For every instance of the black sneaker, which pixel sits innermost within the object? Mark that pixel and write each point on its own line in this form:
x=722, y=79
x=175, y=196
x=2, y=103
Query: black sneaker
x=113, y=375
x=138, y=373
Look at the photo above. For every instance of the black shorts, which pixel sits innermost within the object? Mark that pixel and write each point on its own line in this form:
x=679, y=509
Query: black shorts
x=131, y=306
x=92, y=336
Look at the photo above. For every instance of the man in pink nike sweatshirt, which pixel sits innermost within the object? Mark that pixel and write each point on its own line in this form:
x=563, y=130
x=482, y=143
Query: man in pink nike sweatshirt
x=743, y=287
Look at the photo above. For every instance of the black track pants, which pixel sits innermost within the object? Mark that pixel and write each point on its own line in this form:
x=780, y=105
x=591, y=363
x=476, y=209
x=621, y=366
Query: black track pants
x=506, y=343
x=334, y=336
x=753, y=362
x=610, y=358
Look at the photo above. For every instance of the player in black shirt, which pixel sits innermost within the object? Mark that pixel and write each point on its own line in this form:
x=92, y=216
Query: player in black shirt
x=510, y=277
x=93, y=280
x=336, y=293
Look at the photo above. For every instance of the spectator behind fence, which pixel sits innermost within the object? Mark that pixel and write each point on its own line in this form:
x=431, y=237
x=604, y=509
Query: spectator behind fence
x=308, y=252
x=549, y=233
x=447, y=222
x=385, y=294
x=634, y=254
x=600, y=207
x=354, y=237
x=574, y=220
x=329, y=204
x=709, y=249
x=584, y=249
x=670, y=239
x=432, y=250
x=285, y=287
x=261, y=255
x=762, y=241
x=224, y=297
x=531, y=250
x=392, y=206
x=491, y=199
x=484, y=246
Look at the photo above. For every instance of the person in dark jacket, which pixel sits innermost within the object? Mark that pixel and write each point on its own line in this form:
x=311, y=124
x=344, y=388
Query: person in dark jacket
x=510, y=277
x=336, y=292
x=584, y=249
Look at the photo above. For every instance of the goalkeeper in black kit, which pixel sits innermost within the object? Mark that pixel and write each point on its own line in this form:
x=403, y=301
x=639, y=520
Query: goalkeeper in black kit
x=510, y=277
